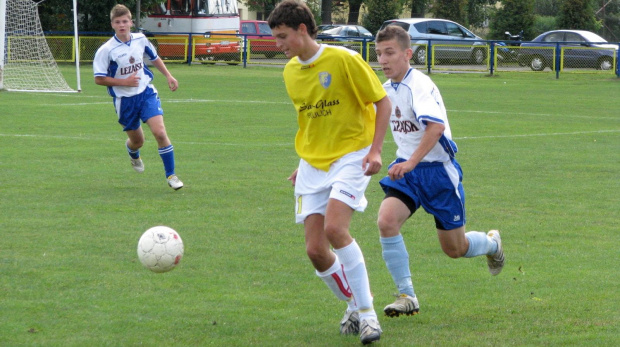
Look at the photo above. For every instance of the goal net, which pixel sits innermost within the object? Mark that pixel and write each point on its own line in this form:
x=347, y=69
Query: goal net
x=26, y=63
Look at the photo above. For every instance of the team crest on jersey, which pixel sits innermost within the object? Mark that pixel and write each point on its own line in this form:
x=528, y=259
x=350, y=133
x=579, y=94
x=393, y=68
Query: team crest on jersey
x=397, y=112
x=132, y=60
x=325, y=78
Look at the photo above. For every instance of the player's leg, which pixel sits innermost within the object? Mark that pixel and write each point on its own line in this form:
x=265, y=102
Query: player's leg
x=457, y=243
x=165, y=149
x=135, y=141
x=444, y=198
x=329, y=270
x=337, y=221
x=393, y=213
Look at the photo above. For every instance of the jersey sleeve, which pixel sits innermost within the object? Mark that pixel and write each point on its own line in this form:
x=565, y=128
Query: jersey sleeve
x=149, y=50
x=425, y=103
x=364, y=80
x=101, y=62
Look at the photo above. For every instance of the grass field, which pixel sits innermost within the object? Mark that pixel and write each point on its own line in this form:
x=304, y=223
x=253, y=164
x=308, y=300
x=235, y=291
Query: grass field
x=541, y=161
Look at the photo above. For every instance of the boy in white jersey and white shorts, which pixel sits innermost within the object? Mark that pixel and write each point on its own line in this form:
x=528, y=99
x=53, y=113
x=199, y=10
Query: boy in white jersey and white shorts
x=339, y=140
x=119, y=64
x=424, y=174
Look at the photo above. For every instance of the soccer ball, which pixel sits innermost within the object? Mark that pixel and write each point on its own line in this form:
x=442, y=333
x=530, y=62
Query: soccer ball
x=160, y=249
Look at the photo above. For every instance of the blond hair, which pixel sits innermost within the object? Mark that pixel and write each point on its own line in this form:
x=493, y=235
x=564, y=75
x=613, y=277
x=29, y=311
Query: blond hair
x=118, y=11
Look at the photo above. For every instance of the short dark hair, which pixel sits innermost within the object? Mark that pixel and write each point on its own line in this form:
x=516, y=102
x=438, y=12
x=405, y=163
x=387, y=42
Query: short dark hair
x=392, y=32
x=292, y=13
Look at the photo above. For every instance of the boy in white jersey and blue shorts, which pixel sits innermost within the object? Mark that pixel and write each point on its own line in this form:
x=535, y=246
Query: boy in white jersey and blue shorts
x=424, y=174
x=119, y=65
x=339, y=140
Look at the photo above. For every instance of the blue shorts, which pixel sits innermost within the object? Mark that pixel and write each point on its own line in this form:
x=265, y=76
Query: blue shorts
x=437, y=188
x=131, y=110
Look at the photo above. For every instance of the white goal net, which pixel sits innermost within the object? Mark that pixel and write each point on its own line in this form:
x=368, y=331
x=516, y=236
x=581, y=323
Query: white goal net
x=27, y=63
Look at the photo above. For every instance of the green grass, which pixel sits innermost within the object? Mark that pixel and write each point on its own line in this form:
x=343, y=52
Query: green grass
x=541, y=164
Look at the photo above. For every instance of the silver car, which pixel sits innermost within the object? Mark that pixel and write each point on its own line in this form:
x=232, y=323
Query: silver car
x=453, y=41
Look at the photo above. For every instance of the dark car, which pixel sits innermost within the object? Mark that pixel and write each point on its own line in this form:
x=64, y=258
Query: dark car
x=580, y=49
x=345, y=33
x=453, y=41
x=259, y=37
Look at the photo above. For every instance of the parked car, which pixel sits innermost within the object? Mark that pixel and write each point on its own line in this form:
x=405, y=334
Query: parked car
x=259, y=37
x=324, y=27
x=582, y=49
x=345, y=33
x=463, y=45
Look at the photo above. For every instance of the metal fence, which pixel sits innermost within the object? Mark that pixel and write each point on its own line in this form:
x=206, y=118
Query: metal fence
x=436, y=55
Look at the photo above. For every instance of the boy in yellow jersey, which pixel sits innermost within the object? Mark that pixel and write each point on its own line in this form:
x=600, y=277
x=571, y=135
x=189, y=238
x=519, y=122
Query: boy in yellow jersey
x=339, y=140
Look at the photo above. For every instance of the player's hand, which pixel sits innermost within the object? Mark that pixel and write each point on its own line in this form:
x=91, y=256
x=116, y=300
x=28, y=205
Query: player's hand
x=398, y=171
x=173, y=84
x=293, y=177
x=133, y=80
x=371, y=164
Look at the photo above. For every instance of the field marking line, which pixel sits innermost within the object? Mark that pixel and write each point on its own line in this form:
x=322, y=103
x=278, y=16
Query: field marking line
x=63, y=137
x=191, y=100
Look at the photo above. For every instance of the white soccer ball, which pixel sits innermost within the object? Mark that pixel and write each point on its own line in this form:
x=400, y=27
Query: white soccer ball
x=160, y=249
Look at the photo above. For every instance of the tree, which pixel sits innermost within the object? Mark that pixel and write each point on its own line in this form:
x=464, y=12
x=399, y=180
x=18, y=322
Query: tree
x=577, y=14
x=477, y=12
x=547, y=7
x=513, y=16
x=378, y=11
x=418, y=8
x=57, y=15
x=262, y=7
x=455, y=10
x=354, y=11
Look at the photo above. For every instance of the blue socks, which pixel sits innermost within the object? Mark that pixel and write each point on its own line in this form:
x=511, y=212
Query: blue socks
x=397, y=261
x=167, y=156
x=479, y=244
x=134, y=154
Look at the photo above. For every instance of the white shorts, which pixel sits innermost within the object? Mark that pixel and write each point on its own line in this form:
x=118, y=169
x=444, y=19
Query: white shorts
x=345, y=181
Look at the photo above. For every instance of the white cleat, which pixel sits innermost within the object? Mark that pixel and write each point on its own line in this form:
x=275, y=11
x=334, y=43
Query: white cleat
x=496, y=261
x=370, y=331
x=137, y=165
x=350, y=323
x=405, y=304
x=174, y=182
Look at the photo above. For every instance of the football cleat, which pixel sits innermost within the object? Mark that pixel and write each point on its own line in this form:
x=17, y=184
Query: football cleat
x=496, y=261
x=370, y=330
x=174, y=182
x=404, y=304
x=137, y=165
x=350, y=323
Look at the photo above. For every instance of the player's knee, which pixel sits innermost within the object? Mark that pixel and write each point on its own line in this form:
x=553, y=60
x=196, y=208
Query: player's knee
x=388, y=225
x=315, y=254
x=454, y=251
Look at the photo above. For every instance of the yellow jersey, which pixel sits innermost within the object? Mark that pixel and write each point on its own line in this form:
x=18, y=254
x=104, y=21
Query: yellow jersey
x=334, y=94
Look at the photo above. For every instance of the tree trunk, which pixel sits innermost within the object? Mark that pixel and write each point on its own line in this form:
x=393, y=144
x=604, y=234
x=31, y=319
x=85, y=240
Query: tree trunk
x=354, y=11
x=418, y=8
x=326, y=11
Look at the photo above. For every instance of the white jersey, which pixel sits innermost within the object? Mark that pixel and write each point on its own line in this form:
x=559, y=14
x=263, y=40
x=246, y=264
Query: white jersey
x=121, y=59
x=415, y=102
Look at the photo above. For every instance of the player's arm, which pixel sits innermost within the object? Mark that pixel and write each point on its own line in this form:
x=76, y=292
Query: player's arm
x=173, y=84
x=372, y=161
x=432, y=134
x=131, y=81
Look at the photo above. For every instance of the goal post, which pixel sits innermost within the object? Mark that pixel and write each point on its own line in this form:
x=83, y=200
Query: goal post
x=26, y=61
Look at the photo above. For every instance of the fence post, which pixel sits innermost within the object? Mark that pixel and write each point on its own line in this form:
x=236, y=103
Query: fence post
x=618, y=63
x=557, y=60
x=429, y=56
x=189, y=50
x=244, y=54
x=492, y=57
